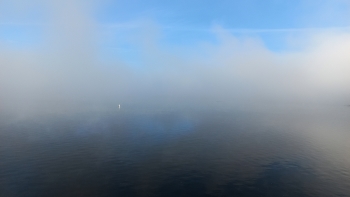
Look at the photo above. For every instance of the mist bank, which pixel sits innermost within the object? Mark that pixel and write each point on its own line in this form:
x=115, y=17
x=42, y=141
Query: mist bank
x=66, y=73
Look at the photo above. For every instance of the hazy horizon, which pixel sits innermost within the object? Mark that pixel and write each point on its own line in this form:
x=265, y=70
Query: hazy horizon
x=78, y=55
x=174, y=98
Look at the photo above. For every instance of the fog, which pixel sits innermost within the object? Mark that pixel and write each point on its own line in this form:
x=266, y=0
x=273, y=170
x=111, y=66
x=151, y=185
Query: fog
x=65, y=73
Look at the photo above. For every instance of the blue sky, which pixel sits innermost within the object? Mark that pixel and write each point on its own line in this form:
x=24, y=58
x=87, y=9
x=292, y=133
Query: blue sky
x=250, y=14
x=187, y=22
x=137, y=51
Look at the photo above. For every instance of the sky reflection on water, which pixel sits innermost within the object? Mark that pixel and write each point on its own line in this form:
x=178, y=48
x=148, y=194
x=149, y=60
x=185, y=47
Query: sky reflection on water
x=178, y=154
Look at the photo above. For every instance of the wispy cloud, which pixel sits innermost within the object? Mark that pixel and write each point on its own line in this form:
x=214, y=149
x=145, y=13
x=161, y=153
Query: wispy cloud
x=139, y=25
x=20, y=24
x=67, y=72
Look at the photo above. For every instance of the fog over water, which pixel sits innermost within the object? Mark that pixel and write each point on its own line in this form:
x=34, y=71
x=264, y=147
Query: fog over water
x=66, y=70
x=229, y=117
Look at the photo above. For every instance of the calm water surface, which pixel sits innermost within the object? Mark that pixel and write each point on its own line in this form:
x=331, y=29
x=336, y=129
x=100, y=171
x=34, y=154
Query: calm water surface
x=211, y=153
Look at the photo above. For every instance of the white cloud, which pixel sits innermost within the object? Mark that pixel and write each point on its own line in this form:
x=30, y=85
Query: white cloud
x=235, y=73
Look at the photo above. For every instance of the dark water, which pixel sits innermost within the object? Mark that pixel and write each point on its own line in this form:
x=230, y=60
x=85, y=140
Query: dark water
x=285, y=153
